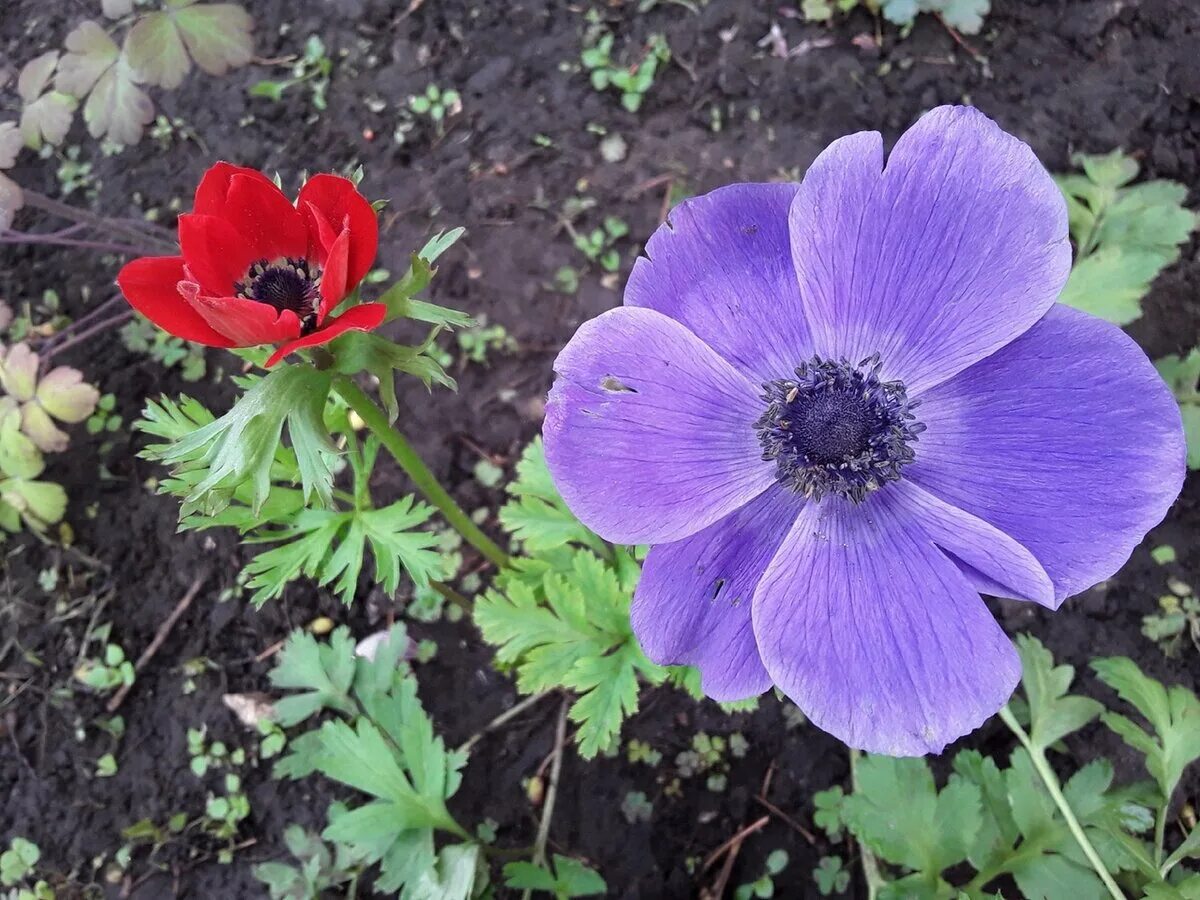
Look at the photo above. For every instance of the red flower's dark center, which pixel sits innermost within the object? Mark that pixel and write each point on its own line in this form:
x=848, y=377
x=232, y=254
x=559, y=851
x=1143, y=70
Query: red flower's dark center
x=291, y=283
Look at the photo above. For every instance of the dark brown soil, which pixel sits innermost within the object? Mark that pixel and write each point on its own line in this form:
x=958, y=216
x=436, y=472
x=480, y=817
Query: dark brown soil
x=1065, y=75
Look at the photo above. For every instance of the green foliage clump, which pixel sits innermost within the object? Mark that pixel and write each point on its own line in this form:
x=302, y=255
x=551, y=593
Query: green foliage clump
x=1182, y=374
x=1125, y=234
x=631, y=80
x=104, y=67
x=237, y=471
x=1077, y=839
x=964, y=15
x=31, y=406
x=559, y=615
x=382, y=744
x=313, y=67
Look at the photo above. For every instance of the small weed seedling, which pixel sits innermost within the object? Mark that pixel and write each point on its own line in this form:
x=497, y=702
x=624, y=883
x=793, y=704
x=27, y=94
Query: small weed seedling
x=764, y=886
x=599, y=244
x=1178, y=615
x=962, y=15
x=106, y=673
x=141, y=336
x=313, y=68
x=831, y=875
x=437, y=104
x=632, y=81
x=18, y=865
x=636, y=807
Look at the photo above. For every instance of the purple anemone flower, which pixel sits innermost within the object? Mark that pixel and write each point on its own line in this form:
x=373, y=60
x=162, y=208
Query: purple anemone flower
x=841, y=410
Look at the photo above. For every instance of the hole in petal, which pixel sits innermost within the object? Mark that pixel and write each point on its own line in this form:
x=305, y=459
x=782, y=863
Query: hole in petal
x=613, y=384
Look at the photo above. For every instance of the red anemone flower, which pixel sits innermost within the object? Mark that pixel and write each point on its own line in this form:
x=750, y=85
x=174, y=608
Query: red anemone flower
x=257, y=269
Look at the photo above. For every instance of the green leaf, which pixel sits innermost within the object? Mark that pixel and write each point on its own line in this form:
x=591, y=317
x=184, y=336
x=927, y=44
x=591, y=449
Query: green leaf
x=1124, y=235
x=1111, y=282
x=117, y=108
x=1053, y=713
x=240, y=447
x=163, y=45
x=44, y=116
x=997, y=832
x=1190, y=848
x=537, y=517
x=565, y=878
x=964, y=15
x=329, y=546
x=324, y=671
x=570, y=627
x=1173, y=713
x=1182, y=374
x=90, y=53
x=897, y=811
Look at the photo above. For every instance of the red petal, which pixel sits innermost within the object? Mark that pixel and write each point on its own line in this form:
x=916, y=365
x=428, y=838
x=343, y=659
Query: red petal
x=247, y=323
x=214, y=187
x=364, y=317
x=334, y=286
x=344, y=207
x=149, y=284
x=265, y=219
x=216, y=255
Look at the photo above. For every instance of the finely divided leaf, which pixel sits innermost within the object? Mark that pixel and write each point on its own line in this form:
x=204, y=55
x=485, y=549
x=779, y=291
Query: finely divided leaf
x=1173, y=713
x=1053, y=713
x=570, y=627
x=1182, y=374
x=323, y=670
x=1124, y=236
x=241, y=446
x=537, y=517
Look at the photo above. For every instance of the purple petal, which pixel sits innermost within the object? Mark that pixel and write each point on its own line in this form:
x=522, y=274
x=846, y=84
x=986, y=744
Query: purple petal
x=949, y=253
x=649, y=433
x=692, y=605
x=722, y=266
x=1067, y=440
x=994, y=562
x=875, y=634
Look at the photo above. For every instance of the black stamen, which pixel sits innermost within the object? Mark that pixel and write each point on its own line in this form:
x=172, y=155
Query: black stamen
x=837, y=429
x=289, y=283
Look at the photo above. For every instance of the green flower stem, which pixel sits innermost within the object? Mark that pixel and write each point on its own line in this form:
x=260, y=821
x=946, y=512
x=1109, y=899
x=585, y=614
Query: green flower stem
x=426, y=482
x=870, y=865
x=1160, y=833
x=1051, y=781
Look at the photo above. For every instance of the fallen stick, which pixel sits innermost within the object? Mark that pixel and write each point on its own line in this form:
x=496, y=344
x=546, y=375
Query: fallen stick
x=160, y=638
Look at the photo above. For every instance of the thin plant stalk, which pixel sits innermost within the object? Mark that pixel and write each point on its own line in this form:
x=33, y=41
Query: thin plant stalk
x=1048, y=777
x=150, y=236
x=402, y=451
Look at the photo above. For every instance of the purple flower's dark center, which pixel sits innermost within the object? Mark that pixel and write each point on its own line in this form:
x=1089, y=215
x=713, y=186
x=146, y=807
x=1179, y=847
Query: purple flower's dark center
x=837, y=429
x=291, y=283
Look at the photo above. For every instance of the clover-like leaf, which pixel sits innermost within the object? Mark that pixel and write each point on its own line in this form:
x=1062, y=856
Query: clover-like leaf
x=18, y=372
x=964, y=15
x=115, y=9
x=117, y=108
x=19, y=456
x=90, y=53
x=45, y=117
x=11, y=143
x=39, y=503
x=64, y=394
x=163, y=45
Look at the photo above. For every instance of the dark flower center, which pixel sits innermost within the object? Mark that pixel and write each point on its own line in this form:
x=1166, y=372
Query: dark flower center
x=290, y=283
x=837, y=429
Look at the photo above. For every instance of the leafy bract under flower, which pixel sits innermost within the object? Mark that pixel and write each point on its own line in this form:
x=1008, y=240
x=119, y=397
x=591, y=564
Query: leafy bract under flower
x=240, y=447
x=846, y=566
